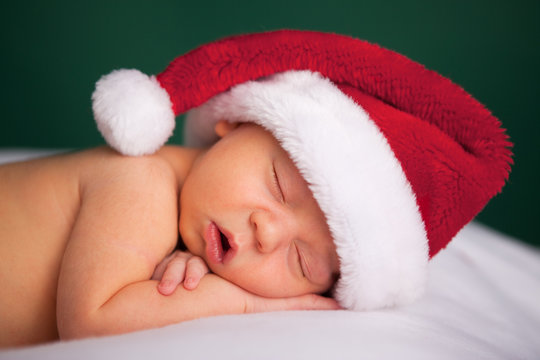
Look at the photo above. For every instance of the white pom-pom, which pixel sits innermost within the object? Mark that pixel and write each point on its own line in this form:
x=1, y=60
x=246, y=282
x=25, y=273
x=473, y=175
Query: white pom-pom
x=133, y=112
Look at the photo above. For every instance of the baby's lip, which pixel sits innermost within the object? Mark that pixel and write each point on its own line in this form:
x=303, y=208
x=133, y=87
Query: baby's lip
x=214, y=248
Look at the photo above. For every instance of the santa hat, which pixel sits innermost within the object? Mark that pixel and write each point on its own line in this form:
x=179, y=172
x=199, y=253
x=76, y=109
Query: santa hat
x=398, y=157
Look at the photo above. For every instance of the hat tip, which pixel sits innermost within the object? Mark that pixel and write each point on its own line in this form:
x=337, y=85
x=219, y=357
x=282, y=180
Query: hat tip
x=133, y=112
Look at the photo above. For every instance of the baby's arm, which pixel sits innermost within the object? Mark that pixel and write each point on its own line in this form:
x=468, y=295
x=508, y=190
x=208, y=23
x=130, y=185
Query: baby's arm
x=124, y=227
x=188, y=269
x=126, y=224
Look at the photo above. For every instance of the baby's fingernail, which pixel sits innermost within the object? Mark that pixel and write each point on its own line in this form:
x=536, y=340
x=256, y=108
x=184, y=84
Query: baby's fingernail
x=188, y=283
x=165, y=284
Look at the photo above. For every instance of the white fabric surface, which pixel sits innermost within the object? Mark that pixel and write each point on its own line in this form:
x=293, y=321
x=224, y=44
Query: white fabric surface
x=13, y=154
x=482, y=302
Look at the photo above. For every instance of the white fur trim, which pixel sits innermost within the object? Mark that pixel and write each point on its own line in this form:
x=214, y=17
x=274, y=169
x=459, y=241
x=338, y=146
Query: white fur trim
x=354, y=175
x=133, y=112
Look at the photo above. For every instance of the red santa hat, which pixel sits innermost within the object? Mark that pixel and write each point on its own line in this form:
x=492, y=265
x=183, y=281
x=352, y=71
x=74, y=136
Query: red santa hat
x=398, y=157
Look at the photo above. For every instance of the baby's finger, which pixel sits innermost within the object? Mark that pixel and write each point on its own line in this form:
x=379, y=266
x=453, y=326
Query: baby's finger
x=173, y=275
x=160, y=268
x=303, y=302
x=196, y=268
x=314, y=302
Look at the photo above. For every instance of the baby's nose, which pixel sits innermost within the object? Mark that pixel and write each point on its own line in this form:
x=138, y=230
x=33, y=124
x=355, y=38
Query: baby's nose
x=272, y=231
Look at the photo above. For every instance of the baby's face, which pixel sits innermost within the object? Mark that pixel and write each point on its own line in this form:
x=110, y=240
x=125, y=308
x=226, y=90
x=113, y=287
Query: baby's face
x=247, y=211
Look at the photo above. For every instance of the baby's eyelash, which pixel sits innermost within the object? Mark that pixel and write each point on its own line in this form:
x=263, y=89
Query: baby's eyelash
x=276, y=183
x=300, y=261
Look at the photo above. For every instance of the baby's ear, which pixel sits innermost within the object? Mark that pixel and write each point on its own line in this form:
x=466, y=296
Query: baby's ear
x=223, y=127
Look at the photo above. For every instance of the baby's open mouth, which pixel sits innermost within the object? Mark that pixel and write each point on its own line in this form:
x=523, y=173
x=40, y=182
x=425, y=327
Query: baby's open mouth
x=225, y=245
x=220, y=246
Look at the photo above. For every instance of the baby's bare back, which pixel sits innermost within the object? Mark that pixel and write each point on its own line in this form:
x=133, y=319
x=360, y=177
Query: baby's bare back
x=40, y=203
x=37, y=210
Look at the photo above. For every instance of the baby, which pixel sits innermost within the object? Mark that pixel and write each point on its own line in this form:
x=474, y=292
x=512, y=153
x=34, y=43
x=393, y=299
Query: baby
x=82, y=234
x=323, y=165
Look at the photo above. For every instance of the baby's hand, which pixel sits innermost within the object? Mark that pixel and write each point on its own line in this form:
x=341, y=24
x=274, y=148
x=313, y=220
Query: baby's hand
x=256, y=303
x=235, y=300
x=179, y=267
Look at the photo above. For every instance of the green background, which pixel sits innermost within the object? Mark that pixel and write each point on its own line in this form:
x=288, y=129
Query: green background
x=54, y=51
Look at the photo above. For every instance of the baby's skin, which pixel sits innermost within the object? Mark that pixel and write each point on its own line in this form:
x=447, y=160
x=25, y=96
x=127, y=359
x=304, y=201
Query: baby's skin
x=86, y=237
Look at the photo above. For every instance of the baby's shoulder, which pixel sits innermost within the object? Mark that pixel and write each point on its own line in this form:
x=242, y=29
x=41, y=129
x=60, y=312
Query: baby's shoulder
x=104, y=166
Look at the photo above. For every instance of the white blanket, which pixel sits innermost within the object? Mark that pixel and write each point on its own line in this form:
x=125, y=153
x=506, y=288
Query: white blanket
x=482, y=302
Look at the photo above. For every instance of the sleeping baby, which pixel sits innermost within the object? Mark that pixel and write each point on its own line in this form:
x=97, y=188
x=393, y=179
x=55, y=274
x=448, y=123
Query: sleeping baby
x=82, y=234
x=320, y=172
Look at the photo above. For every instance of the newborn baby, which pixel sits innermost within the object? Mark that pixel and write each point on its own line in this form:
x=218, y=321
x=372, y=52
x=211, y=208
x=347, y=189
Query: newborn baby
x=82, y=234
